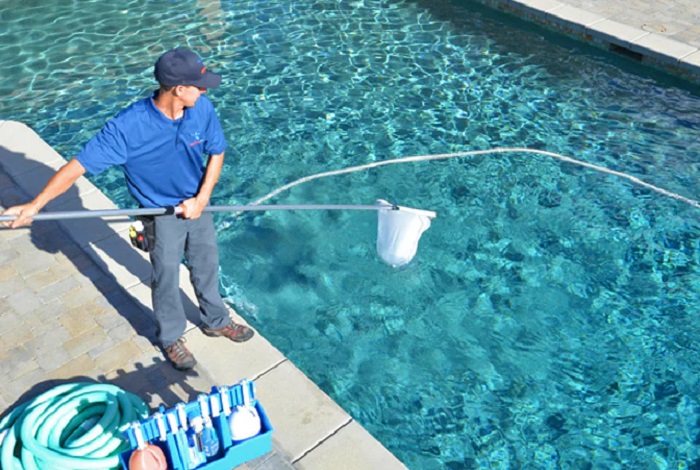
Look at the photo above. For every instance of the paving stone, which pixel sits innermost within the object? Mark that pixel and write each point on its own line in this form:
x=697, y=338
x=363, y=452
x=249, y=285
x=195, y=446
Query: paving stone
x=28, y=265
x=80, y=260
x=64, y=268
x=44, y=319
x=146, y=343
x=54, y=360
x=24, y=301
x=122, y=354
x=48, y=343
x=6, y=183
x=16, y=336
x=86, y=341
x=108, y=317
x=9, y=319
x=143, y=375
x=11, y=285
x=14, y=235
x=80, y=295
x=121, y=333
x=104, y=346
x=92, y=274
x=7, y=256
x=4, y=404
x=58, y=289
x=49, y=237
x=10, y=357
x=19, y=386
x=38, y=325
x=78, y=366
x=6, y=272
x=79, y=320
x=40, y=281
x=21, y=368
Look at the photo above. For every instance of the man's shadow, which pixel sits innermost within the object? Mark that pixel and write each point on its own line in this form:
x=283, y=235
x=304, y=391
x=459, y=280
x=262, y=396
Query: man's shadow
x=50, y=237
x=152, y=383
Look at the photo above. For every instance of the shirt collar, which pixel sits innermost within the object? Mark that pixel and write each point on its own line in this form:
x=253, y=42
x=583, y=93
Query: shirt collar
x=158, y=114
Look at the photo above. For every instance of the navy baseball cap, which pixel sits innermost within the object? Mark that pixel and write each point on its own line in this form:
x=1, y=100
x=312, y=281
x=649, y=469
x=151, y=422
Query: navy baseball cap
x=181, y=66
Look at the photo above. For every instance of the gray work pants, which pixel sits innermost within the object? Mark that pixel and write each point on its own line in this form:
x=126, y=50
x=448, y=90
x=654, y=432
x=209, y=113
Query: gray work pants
x=197, y=239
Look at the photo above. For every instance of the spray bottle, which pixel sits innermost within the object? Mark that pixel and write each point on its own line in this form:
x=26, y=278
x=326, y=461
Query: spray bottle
x=190, y=437
x=194, y=440
x=210, y=441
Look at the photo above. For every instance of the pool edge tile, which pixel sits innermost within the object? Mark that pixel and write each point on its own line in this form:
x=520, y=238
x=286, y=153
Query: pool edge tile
x=690, y=62
x=117, y=257
x=615, y=33
x=661, y=48
x=352, y=447
x=88, y=230
x=302, y=415
x=229, y=361
x=573, y=19
x=536, y=7
x=16, y=138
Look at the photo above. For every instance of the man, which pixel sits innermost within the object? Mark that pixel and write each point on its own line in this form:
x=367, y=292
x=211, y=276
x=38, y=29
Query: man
x=160, y=142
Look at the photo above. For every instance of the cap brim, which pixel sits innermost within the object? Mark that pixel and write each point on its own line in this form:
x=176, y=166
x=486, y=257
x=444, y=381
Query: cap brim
x=208, y=80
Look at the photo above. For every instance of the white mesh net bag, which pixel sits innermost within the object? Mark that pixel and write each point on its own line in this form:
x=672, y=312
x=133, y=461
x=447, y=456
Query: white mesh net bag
x=398, y=231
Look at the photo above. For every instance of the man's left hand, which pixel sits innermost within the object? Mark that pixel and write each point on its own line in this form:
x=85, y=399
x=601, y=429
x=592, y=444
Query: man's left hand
x=192, y=208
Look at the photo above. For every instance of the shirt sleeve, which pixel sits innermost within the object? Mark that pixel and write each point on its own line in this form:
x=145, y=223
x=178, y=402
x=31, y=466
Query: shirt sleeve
x=216, y=140
x=106, y=149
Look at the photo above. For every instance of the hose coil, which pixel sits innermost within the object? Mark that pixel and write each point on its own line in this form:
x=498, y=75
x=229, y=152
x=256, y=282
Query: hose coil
x=72, y=426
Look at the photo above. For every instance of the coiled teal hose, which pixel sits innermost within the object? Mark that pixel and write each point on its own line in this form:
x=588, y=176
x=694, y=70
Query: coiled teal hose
x=70, y=427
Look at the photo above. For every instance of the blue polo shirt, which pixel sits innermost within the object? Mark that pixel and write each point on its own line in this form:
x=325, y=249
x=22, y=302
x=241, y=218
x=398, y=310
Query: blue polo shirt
x=163, y=159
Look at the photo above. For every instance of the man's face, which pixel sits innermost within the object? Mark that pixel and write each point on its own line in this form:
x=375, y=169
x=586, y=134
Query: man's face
x=189, y=94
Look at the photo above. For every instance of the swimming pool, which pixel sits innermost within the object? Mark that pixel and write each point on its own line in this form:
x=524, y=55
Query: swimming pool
x=549, y=318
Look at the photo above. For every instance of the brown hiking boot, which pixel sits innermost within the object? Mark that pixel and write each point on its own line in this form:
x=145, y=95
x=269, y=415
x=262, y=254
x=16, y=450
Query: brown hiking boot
x=180, y=357
x=233, y=331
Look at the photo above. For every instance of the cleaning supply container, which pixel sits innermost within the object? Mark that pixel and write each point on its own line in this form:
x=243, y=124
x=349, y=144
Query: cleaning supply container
x=180, y=434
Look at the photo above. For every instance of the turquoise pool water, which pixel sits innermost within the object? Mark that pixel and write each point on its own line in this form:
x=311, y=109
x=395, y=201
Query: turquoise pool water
x=549, y=319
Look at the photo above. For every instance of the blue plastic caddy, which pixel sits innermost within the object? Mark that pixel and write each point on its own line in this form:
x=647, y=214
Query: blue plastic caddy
x=166, y=430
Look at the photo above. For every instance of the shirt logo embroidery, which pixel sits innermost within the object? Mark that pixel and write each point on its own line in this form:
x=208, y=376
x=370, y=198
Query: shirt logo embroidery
x=197, y=139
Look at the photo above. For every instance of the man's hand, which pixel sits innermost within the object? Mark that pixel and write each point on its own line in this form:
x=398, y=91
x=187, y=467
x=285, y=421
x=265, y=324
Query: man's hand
x=192, y=208
x=57, y=185
x=24, y=213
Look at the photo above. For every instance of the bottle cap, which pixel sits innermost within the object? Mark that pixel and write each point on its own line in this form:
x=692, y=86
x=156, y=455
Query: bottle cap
x=196, y=422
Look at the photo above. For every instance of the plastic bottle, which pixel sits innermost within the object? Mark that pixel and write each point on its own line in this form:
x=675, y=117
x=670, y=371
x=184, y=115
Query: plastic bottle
x=210, y=440
x=194, y=441
x=146, y=456
x=244, y=421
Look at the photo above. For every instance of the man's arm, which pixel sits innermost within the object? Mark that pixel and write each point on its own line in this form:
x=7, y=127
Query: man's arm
x=59, y=183
x=192, y=208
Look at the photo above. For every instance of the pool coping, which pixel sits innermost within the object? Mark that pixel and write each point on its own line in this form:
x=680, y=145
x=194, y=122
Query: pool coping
x=311, y=431
x=654, y=49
